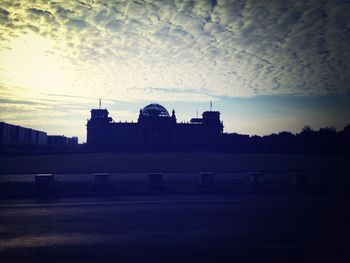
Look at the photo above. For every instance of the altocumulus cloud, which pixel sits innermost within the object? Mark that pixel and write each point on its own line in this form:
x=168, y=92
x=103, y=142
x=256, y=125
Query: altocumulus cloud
x=169, y=50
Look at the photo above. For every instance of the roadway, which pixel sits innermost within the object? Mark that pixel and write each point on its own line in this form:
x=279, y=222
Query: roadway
x=176, y=228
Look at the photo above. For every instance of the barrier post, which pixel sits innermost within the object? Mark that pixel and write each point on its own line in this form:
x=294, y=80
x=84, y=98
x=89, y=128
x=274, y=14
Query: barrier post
x=44, y=183
x=155, y=180
x=102, y=180
x=207, y=179
x=255, y=179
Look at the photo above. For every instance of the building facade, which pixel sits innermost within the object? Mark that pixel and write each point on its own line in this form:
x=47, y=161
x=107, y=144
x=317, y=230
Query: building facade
x=62, y=141
x=15, y=135
x=155, y=130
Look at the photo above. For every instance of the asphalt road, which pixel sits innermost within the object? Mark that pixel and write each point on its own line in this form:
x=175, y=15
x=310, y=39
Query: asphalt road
x=179, y=228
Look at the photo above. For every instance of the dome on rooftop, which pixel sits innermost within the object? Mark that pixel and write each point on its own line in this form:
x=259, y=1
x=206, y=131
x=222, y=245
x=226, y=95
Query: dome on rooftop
x=155, y=110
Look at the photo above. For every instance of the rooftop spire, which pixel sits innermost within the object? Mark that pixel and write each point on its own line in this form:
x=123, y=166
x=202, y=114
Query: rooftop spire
x=99, y=105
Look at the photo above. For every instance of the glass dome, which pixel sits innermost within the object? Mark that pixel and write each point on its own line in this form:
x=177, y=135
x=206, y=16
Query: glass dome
x=155, y=110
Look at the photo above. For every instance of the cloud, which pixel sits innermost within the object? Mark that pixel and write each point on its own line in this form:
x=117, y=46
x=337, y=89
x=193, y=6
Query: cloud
x=77, y=24
x=234, y=48
x=37, y=13
x=4, y=15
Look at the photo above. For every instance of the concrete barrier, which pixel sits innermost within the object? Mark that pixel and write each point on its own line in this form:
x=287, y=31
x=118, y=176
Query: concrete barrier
x=44, y=182
x=155, y=180
x=346, y=179
x=102, y=179
x=255, y=179
x=207, y=179
x=300, y=180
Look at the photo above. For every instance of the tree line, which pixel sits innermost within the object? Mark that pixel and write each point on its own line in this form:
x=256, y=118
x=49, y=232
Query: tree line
x=325, y=140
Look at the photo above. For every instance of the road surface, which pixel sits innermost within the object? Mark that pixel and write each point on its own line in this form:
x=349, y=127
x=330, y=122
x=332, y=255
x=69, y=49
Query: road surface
x=176, y=228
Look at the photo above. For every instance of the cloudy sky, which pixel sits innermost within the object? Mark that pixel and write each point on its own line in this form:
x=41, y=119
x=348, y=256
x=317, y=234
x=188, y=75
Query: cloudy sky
x=267, y=66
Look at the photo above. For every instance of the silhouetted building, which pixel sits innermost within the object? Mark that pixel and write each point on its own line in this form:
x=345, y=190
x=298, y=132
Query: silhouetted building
x=155, y=130
x=14, y=135
x=62, y=141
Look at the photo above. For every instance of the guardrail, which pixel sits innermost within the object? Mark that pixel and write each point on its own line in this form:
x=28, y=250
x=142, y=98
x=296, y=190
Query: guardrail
x=111, y=183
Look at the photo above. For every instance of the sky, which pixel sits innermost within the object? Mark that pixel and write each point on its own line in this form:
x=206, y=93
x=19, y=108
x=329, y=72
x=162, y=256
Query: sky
x=267, y=66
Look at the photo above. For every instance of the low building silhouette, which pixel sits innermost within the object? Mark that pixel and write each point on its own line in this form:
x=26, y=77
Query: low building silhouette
x=62, y=141
x=17, y=136
x=155, y=130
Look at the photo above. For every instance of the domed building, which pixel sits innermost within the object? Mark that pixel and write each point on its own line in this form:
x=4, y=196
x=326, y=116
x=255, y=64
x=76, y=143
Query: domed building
x=154, y=110
x=155, y=114
x=155, y=130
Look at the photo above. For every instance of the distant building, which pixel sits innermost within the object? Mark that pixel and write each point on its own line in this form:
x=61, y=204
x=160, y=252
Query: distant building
x=155, y=130
x=17, y=137
x=62, y=141
x=14, y=135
